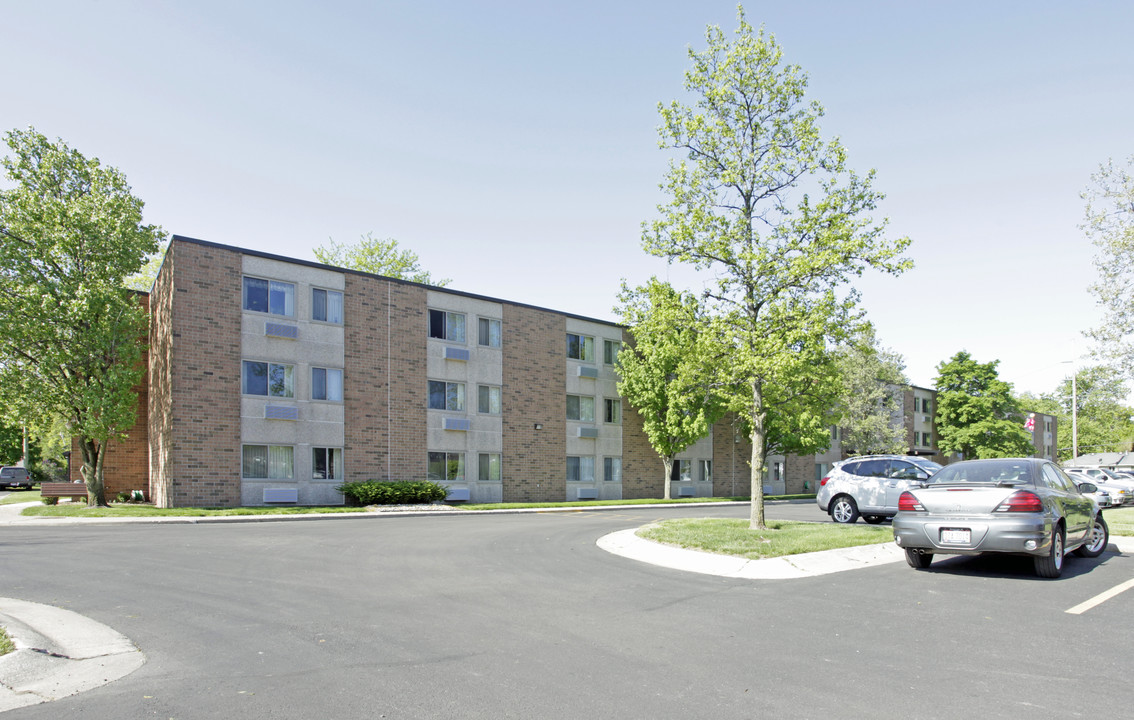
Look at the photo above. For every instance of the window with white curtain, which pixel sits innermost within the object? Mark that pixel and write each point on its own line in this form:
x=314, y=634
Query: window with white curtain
x=270, y=462
x=326, y=463
x=327, y=384
x=269, y=296
x=327, y=306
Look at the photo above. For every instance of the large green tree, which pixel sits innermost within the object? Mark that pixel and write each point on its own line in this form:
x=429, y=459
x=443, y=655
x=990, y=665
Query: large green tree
x=378, y=256
x=870, y=410
x=771, y=210
x=664, y=373
x=1103, y=418
x=71, y=333
x=1109, y=223
x=977, y=415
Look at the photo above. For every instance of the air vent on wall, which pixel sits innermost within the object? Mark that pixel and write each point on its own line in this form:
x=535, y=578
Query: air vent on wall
x=281, y=412
x=588, y=372
x=461, y=424
x=279, y=330
x=588, y=432
x=281, y=495
x=586, y=494
x=452, y=353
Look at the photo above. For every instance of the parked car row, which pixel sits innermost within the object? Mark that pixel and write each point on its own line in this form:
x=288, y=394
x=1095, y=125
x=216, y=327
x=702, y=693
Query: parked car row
x=1021, y=506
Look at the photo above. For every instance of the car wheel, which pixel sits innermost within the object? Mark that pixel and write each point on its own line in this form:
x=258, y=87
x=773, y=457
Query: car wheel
x=917, y=559
x=1096, y=540
x=1051, y=565
x=873, y=519
x=843, y=510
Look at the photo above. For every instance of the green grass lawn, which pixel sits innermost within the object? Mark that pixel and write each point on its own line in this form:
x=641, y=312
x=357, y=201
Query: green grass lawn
x=21, y=496
x=142, y=511
x=1120, y=520
x=78, y=509
x=732, y=537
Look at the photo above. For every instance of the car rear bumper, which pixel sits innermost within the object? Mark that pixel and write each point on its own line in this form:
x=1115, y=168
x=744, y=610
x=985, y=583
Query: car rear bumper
x=1023, y=534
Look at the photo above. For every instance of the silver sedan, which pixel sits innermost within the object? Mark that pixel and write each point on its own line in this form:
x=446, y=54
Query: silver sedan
x=1023, y=506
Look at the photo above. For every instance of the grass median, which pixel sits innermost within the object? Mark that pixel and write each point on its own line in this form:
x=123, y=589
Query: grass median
x=733, y=537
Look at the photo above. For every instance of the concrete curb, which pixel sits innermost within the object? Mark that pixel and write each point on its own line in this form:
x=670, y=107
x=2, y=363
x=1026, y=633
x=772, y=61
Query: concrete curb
x=58, y=653
x=626, y=543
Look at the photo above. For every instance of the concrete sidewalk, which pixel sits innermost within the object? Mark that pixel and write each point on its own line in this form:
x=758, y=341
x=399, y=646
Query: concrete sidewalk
x=58, y=653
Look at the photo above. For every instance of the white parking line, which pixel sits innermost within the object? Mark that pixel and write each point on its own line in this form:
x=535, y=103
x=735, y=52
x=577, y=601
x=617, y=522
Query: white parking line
x=1101, y=598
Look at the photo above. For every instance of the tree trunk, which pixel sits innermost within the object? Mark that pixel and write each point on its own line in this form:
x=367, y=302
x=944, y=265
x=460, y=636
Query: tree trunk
x=93, y=456
x=667, y=462
x=759, y=439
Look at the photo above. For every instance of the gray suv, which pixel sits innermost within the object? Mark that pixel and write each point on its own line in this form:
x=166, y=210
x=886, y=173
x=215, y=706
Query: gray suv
x=869, y=486
x=15, y=477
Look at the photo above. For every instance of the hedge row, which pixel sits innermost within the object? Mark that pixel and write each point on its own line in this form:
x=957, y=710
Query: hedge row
x=376, y=492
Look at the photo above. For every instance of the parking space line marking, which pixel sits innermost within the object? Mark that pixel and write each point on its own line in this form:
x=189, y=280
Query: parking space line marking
x=1101, y=598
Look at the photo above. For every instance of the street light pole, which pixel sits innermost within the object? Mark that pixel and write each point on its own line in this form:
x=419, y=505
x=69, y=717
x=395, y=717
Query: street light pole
x=1074, y=407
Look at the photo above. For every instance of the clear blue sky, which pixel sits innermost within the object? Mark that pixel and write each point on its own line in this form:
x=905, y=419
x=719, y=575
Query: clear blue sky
x=513, y=145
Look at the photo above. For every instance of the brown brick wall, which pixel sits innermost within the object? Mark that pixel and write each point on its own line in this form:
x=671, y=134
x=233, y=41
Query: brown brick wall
x=204, y=387
x=732, y=452
x=643, y=473
x=534, y=462
x=799, y=470
x=384, y=380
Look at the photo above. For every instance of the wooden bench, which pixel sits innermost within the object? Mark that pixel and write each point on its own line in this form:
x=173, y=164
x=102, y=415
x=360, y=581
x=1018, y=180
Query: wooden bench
x=57, y=490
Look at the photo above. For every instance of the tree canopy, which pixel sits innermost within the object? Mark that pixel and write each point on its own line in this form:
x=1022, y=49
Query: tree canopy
x=772, y=212
x=1109, y=223
x=1103, y=418
x=665, y=373
x=378, y=256
x=977, y=415
x=71, y=333
x=872, y=381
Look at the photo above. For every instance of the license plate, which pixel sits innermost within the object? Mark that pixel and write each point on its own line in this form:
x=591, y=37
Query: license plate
x=956, y=536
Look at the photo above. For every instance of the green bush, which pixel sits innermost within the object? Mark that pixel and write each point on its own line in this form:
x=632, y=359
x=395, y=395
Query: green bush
x=50, y=500
x=376, y=492
x=123, y=497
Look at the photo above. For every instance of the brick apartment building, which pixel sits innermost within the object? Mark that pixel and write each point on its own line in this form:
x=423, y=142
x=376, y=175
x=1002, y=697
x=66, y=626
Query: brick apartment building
x=274, y=380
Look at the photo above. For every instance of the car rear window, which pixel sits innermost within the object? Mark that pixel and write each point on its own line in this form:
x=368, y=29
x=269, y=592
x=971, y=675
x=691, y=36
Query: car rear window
x=985, y=471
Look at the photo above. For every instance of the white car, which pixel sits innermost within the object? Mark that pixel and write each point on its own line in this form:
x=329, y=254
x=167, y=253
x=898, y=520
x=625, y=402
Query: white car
x=869, y=486
x=1121, y=491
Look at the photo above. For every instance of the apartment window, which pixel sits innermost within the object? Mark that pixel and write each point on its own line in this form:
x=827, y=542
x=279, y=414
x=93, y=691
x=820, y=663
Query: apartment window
x=268, y=462
x=610, y=350
x=326, y=463
x=327, y=384
x=446, y=466
x=612, y=411
x=488, y=332
x=580, y=408
x=269, y=296
x=446, y=395
x=927, y=439
x=925, y=405
x=705, y=470
x=489, y=467
x=682, y=470
x=488, y=400
x=327, y=306
x=580, y=347
x=271, y=379
x=581, y=469
x=447, y=326
x=612, y=469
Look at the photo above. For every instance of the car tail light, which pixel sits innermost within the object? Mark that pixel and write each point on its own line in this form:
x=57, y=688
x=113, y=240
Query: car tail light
x=908, y=503
x=824, y=481
x=1021, y=501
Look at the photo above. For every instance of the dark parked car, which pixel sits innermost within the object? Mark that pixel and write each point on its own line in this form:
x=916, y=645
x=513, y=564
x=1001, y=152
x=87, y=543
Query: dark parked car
x=1023, y=506
x=15, y=477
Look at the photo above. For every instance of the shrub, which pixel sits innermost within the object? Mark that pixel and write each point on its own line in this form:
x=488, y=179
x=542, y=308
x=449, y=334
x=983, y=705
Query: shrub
x=50, y=500
x=376, y=492
x=122, y=497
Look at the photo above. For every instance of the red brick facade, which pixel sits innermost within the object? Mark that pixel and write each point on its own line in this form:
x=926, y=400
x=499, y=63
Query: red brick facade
x=534, y=452
x=384, y=381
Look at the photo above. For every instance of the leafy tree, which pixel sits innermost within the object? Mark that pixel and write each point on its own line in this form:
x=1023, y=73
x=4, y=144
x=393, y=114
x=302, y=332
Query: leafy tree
x=772, y=211
x=143, y=280
x=872, y=381
x=1109, y=223
x=664, y=374
x=71, y=333
x=1103, y=418
x=377, y=256
x=977, y=414
x=11, y=444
